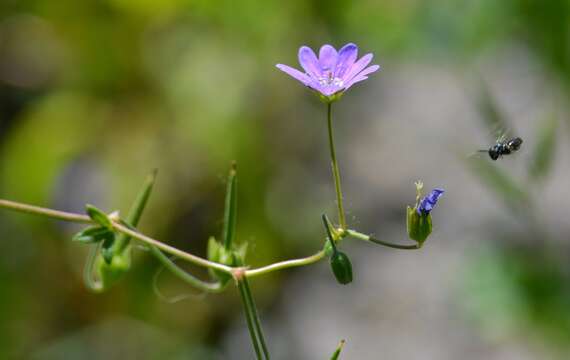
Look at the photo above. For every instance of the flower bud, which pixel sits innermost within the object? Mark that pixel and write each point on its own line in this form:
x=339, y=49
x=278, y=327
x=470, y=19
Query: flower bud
x=419, y=225
x=341, y=267
x=418, y=218
x=111, y=272
x=235, y=256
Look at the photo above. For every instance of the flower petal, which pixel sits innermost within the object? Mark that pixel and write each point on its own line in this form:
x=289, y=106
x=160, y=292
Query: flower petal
x=357, y=67
x=363, y=75
x=309, y=61
x=328, y=58
x=355, y=80
x=369, y=70
x=434, y=195
x=346, y=58
x=428, y=202
x=304, y=78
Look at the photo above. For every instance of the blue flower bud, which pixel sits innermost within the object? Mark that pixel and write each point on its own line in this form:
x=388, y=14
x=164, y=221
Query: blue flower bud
x=428, y=202
x=418, y=218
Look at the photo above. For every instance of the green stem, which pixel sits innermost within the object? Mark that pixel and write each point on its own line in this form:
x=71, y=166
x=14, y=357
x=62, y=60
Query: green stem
x=214, y=287
x=361, y=236
x=172, y=250
x=78, y=218
x=54, y=214
x=94, y=284
x=255, y=316
x=249, y=319
x=286, y=264
x=335, y=169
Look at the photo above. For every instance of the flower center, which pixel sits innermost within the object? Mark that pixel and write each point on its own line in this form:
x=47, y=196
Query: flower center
x=329, y=79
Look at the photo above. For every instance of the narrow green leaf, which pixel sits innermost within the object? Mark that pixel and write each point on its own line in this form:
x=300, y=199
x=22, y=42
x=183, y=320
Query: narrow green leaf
x=135, y=213
x=336, y=354
x=99, y=216
x=230, y=208
x=543, y=154
x=91, y=235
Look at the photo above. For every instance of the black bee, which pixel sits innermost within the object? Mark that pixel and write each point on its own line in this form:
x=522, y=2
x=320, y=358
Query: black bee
x=504, y=147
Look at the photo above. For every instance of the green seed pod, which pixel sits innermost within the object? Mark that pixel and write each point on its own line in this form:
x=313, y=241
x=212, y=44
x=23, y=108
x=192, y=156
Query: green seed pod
x=419, y=226
x=341, y=267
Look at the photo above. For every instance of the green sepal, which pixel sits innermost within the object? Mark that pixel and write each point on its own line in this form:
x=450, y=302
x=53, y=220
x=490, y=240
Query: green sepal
x=108, y=248
x=218, y=253
x=331, y=98
x=328, y=249
x=341, y=267
x=419, y=226
x=92, y=235
x=99, y=216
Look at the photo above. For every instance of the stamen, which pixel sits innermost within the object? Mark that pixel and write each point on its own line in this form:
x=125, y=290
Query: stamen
x=329, y=79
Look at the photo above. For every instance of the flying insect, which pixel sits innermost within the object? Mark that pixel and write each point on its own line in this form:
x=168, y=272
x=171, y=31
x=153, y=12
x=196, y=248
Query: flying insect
x=504, y=147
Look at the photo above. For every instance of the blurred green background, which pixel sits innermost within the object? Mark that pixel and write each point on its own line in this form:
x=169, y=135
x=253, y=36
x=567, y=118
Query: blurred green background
x=94, y=94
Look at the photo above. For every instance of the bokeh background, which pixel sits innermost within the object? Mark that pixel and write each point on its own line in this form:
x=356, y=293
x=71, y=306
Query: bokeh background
x=94, y=94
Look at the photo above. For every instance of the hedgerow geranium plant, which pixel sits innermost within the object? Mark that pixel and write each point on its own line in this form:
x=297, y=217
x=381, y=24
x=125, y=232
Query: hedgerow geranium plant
x=110, y=235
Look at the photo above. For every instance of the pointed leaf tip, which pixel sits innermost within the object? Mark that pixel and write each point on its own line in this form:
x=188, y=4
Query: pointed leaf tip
x=98, y=216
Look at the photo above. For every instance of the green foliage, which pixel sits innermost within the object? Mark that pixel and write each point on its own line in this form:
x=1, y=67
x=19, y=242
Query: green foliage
x=508, y=289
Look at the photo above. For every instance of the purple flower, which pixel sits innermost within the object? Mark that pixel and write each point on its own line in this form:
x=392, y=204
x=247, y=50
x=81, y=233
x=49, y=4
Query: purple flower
x=332, y=72
x=429, y=201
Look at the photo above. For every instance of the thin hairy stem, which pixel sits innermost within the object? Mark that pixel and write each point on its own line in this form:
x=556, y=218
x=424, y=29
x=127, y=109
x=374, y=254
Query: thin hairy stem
x=335, y=170
x=286, y=264
x=79, y=218
x=212, y=287
x=171, y=250
x=54, y=214
x=361, y=236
